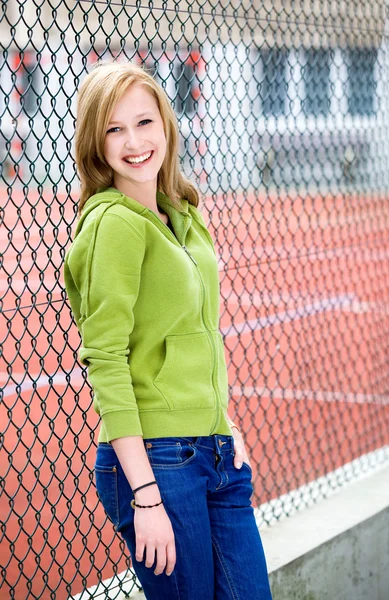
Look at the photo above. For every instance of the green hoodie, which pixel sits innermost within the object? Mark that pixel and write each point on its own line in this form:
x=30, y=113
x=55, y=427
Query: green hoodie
x=146, y=303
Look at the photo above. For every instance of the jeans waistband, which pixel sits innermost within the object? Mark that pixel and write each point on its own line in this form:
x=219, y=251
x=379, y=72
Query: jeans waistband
x=217, y=442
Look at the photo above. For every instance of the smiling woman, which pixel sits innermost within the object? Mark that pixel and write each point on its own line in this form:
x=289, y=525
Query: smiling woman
x=123, y=102
x=145, y=297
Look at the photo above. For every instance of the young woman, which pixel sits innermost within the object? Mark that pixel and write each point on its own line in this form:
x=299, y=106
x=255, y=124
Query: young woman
x=142, y=279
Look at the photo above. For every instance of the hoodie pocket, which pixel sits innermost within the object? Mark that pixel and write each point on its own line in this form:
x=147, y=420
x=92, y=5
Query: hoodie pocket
x=185, y=378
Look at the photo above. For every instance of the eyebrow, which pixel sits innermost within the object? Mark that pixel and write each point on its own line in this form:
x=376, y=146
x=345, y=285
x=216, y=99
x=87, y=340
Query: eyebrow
x=137, y=117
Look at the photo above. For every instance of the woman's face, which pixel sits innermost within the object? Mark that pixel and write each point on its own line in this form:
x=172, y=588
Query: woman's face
x=134, y=131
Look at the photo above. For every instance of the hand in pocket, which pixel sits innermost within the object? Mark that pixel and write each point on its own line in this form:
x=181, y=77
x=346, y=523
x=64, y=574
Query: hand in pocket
x=240, y=454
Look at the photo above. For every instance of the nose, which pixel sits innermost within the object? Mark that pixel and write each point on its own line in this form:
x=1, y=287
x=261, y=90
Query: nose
x=133, y=142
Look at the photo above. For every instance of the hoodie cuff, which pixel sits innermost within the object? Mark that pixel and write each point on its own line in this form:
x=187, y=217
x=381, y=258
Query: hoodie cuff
x=119, y=424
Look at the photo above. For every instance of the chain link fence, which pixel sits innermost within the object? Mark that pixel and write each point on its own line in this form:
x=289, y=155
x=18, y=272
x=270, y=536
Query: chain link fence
x=284, y=120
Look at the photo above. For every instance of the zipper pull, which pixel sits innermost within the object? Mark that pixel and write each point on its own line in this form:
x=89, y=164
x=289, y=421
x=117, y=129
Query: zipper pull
x=189, y=254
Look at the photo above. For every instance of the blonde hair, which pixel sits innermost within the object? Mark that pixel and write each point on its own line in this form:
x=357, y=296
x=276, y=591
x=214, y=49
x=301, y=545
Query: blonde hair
x=97, y=96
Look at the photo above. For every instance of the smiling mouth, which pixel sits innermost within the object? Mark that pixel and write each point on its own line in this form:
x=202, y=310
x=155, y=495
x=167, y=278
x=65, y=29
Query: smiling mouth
x=135, y=163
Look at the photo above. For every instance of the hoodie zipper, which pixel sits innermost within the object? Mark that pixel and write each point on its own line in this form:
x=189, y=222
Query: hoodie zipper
x=213, y=347
x=202, y=306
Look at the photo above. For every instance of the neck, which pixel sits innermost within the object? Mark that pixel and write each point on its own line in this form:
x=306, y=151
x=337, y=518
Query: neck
x=146, y=195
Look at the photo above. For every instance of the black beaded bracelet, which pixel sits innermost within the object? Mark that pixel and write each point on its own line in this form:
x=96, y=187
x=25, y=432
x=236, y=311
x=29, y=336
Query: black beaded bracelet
x=133, y=504
x=143, y=486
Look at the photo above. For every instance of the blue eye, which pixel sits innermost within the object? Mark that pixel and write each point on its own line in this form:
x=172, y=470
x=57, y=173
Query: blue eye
x=140, y=122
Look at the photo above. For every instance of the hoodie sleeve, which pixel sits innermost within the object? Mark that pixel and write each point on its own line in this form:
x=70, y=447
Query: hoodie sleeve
x=106, y=328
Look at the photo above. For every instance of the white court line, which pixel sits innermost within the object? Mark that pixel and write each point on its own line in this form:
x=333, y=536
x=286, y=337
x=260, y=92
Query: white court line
x=270, y=300
x=346, y=302
x=362, y=254
x=237, y=391
x=41, y=381
x=309, y=395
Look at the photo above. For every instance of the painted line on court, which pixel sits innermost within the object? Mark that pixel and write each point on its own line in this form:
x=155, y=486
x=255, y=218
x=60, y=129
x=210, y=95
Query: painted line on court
x=272, y=253
x=62, y=379
x=309, y=395
x=39, y=381
x=346, y=302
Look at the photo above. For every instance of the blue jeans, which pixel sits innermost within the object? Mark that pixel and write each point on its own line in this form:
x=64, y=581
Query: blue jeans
x=219, y=554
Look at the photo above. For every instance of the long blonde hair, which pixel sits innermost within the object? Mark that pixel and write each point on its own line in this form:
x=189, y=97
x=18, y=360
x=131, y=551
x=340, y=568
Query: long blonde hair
x=97, y=96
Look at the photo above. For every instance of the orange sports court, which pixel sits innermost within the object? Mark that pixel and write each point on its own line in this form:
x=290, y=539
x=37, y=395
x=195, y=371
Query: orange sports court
x=304, y=280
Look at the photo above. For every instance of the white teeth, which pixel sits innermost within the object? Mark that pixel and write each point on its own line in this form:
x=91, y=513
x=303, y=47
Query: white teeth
x=139, y=159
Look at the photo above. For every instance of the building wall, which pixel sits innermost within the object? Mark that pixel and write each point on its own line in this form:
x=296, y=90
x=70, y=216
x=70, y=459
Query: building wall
x=267, y=86
x=328, y=23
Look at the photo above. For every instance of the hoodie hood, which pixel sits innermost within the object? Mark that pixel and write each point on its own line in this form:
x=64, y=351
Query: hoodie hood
x=111, y=195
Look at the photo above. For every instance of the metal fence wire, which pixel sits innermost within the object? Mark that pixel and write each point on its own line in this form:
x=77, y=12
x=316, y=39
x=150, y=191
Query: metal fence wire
x=284, y=121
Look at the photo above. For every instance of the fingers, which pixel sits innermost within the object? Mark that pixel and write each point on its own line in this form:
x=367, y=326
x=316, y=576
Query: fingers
x=161, y=560
x=238, y=464
x=171, y=557
x=140, y=549
x=240, y=455
x=166, y=556
x=150, y=555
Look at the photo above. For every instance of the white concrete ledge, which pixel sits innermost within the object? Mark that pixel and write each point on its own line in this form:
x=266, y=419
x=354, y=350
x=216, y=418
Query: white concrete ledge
x=336, y=550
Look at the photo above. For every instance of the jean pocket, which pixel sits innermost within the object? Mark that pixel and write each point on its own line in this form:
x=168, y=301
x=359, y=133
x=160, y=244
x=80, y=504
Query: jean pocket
x=185, y=377
x=244, y=464
x=166, y=454
x=106, y=477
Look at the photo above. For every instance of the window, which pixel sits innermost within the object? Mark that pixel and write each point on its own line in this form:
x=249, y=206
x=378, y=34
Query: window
x=361, y=82
x=273, y=86
x=316, y=74
x=29, y=84
x=185, y=82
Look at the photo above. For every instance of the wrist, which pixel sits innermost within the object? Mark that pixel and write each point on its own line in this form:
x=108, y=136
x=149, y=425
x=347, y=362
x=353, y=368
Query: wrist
x=136, y=504
x=148, y=495
x=232, y=424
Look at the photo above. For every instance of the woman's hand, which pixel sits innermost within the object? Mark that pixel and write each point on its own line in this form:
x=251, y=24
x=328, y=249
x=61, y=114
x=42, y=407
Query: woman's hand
x=154, y=536
x=241, y=455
